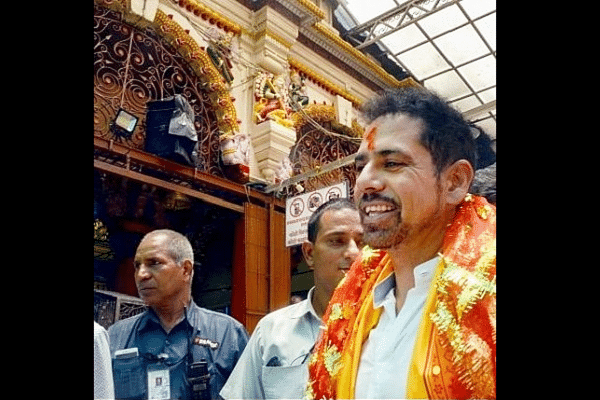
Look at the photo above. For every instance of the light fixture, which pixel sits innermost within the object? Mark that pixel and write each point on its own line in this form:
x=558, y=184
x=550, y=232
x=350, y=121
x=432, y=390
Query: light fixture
x=176, y=201
x=124, y=124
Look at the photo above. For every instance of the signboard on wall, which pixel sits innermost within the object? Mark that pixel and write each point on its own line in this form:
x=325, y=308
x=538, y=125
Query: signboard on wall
x=298, y=210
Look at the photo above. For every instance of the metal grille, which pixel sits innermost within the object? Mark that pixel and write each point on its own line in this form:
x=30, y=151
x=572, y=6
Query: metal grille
x=110, y=307
x=314, y=149
x=132, y=67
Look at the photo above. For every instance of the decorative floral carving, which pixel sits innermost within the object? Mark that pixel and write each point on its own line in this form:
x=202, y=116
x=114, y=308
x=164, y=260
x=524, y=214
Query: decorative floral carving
x=133, y=66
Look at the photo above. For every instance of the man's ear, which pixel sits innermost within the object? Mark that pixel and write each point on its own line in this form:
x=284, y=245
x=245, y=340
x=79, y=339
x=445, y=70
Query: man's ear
x=307, y=251
x=188, y=268
x=458, y=178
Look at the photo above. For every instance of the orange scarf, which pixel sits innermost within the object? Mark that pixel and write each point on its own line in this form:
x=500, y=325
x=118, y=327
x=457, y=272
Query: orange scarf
x=455, y=348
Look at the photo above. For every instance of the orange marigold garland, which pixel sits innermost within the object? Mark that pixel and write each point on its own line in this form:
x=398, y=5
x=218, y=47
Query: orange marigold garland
x=465, y=295
x=343, y=308
x=465, y=314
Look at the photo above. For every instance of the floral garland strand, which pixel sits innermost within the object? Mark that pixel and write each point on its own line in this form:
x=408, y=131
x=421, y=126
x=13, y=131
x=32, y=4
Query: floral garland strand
x=340, y=316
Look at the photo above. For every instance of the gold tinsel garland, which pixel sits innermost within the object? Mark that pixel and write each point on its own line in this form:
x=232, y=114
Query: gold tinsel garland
x=325, y=113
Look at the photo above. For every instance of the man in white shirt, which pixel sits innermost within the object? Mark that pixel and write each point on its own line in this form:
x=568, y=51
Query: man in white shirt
x=416, y=314
x=274, y=363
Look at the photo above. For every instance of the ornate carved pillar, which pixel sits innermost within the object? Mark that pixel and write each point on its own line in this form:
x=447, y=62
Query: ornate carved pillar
x=274, y=36
x=271, y=142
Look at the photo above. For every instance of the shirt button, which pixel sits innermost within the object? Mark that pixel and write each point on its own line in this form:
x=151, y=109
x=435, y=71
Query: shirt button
x=167, y=343
x=436, y=370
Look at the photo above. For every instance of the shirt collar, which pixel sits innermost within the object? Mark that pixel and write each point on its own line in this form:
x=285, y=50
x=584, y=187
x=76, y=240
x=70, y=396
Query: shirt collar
x=382, y=289
x=305, y=306
x=192, y=314
x=150, y=318
x=423, y=274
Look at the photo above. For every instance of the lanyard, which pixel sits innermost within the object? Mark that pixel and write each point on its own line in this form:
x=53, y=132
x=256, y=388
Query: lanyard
x=162, y=357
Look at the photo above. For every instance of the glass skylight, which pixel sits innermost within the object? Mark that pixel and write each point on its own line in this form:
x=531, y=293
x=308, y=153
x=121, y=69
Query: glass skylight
x=448, y=45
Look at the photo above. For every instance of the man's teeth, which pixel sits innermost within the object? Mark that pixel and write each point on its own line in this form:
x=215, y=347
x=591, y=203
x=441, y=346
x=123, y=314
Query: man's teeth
x=378, y=209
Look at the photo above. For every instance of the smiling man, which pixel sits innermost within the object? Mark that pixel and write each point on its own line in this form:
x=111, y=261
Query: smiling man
x=153, y=352
x=274, y=364
x=416, y=314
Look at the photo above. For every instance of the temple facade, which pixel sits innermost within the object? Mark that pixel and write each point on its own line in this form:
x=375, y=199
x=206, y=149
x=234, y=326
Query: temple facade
x=207, y=116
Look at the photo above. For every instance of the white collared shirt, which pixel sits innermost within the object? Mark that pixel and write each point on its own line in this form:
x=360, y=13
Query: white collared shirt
x=103, y=376
x=387, y=352
x=274, y=364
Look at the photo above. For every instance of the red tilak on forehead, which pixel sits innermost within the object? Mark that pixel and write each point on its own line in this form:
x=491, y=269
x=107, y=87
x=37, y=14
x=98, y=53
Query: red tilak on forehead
x=370, y=137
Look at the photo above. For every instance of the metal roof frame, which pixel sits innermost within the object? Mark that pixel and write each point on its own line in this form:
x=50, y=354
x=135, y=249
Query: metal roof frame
x=477, y=102
x=393, y=20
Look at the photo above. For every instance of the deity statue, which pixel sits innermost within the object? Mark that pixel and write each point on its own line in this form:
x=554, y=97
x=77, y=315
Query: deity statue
x=297, y=90
x=220, y=53
x=236, y=157
x=284, y=171
x=271, y=99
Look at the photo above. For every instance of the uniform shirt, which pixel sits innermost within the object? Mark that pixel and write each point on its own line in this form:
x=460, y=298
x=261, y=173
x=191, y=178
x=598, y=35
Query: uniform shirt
x=275, y=362
x=214, y=336
x=386, y=354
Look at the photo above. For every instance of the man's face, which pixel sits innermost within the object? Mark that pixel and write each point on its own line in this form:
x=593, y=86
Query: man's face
x=159, y=280
x=397, y=192
x=337, y=244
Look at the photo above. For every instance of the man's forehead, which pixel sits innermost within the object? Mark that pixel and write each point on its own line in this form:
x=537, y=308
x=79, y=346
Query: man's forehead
x=401, y=128
x=339, y=221
x=143, y=252
x=394, y=124
x=369, y=137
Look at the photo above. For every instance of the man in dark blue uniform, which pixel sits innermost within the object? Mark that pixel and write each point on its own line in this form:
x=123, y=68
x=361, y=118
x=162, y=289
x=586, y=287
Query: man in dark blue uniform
x=152, y=352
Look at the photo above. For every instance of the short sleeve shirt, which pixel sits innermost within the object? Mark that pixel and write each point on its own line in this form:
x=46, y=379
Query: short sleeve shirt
x=275, y=362
x=209, y=335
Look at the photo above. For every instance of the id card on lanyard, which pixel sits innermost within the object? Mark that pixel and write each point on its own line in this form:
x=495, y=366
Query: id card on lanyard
x=159, y=384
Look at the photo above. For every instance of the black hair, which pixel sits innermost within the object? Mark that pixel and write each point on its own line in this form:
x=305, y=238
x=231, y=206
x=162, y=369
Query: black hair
x=338, y=203
x=485, y=154
x=447, y=135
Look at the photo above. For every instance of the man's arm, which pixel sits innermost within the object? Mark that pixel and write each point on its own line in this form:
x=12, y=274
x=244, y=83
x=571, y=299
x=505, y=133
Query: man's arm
x=245, y=381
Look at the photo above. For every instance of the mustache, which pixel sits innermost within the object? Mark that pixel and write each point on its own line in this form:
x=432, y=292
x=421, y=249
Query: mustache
x=367, y=197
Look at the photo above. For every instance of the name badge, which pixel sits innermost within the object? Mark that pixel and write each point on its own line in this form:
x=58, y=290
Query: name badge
x=159, y=385
x=205, y=342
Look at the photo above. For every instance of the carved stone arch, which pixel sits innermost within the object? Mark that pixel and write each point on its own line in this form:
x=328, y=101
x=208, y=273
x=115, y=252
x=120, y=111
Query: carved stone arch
x=136, y=61
x=316, y=147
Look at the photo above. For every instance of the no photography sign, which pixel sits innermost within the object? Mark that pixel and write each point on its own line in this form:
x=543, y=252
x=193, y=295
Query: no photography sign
x=298, y=210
